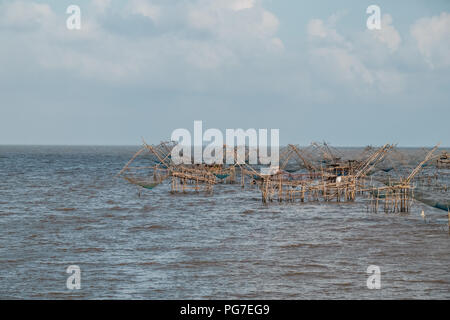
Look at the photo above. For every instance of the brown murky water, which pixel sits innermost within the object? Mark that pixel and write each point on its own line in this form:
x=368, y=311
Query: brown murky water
x=62, y=206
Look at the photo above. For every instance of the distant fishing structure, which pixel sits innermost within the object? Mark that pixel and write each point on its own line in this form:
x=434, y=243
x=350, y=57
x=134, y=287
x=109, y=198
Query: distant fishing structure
x=378, y=177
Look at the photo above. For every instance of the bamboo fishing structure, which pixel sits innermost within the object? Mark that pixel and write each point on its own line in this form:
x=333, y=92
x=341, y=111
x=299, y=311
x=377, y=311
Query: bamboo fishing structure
x=312, y=174
x=339, y=185
x=397, y=196
x=186, y=179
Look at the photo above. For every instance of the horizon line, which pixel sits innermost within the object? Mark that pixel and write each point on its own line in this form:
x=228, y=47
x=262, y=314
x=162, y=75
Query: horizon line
x=138, y=145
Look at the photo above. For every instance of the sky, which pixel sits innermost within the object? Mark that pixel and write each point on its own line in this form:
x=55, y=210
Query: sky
x=143, y=68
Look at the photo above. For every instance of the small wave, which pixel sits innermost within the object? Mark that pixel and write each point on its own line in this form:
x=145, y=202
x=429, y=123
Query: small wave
x=4, y=214
x=11, y=261
x=343, y=284
x=312, y=265
x=108, y=215
x=84, y=250
x=117, y=208
x=432, y=281
x=244, y=296
x=309, y=245
x=147, y=263
x=294, y=245
x=294, y=274
x=144, y=228
x=195, y=264
x=323, y=275
x=148, y=208
x=65, y=209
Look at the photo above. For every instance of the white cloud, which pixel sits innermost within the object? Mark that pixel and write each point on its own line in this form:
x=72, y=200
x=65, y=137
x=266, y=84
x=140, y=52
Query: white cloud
x=101, y=5
x=243, y=26
x=206, y=35
x=21, y=14
x=277, y=44
x=227, y=18
x=346, y=66
x=330, y=51
x=269, y=23
x=343, y=62
x=317, y=29
x=387, y=35
x=433, y=39
x=238, y=5
x=146, y=9
x=201, y=19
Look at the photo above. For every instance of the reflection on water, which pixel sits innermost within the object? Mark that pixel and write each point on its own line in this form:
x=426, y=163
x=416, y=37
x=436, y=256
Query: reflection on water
x=61, y=206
